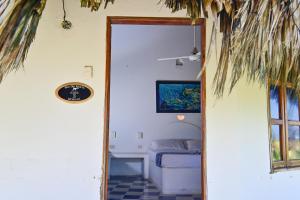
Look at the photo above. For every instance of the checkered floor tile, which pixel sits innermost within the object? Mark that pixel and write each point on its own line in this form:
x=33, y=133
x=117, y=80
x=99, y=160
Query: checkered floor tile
x=137, y=188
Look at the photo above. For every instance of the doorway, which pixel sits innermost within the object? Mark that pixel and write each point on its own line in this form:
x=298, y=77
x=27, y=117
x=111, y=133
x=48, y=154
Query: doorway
x=111, y=21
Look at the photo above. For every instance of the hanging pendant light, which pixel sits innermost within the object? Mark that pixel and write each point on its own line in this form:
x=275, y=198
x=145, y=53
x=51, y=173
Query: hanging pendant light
x=65, y=23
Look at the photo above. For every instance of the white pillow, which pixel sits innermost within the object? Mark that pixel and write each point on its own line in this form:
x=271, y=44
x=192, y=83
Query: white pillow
x=193, y=145
x=168, y=144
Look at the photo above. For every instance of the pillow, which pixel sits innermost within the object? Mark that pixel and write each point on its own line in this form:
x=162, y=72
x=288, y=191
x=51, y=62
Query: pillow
x=167, y=144
x=193, y=145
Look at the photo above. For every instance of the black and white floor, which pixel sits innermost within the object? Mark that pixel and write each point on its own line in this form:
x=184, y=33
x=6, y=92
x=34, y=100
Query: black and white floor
x=137, y=188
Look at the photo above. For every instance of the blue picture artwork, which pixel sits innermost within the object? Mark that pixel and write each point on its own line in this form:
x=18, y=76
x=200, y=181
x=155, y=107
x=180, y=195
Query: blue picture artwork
x=178, y=96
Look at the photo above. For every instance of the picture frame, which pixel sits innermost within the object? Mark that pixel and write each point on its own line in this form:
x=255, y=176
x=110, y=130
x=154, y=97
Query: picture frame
x=178, y=96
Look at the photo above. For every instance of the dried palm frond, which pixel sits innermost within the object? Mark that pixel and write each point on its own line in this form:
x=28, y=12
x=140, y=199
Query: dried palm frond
x=5, y=8
x=265, y=46
x=20, y=19
x=193, y=7
x=95, y=4
x=196, y=8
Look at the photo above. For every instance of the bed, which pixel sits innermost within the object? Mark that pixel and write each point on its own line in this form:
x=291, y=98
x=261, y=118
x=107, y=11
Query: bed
x=175, y=166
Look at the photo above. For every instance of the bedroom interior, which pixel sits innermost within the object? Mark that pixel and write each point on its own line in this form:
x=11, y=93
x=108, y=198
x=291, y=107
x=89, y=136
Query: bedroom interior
x=154, y=148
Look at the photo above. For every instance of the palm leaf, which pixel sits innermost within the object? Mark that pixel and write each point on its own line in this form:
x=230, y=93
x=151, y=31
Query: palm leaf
x=95, y=4
x=18, y=30
x=265, y=46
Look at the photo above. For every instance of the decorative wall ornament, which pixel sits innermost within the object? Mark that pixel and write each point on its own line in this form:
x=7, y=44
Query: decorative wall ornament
x=74, y=92
x=261, y=38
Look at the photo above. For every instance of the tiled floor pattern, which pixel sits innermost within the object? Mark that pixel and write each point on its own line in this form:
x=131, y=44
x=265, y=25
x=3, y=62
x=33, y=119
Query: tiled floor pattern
x=137, y=188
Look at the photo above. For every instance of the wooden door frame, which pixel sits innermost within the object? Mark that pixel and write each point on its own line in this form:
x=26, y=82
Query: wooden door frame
x=152, y=21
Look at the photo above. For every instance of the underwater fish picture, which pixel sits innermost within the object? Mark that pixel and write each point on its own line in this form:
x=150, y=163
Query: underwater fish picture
x=178, y=96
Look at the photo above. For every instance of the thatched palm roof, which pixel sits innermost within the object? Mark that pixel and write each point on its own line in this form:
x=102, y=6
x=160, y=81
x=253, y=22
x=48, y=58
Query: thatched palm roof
x=261, y=38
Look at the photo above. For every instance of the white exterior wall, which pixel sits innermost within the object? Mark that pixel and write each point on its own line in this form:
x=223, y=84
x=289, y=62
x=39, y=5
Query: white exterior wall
x=238, y=159
x=51, y=150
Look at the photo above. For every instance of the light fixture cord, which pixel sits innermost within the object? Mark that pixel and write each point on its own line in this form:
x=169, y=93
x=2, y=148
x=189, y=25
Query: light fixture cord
x=64, y=9
x=194, y=36
x=65, y=23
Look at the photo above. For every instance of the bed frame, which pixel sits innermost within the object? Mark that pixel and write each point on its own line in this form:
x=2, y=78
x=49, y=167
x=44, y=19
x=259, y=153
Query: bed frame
x=176, y=180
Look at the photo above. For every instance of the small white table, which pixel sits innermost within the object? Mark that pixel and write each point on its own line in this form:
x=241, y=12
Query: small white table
x=142, y=155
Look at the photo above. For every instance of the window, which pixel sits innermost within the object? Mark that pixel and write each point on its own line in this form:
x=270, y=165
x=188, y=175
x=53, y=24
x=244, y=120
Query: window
x=284, y=127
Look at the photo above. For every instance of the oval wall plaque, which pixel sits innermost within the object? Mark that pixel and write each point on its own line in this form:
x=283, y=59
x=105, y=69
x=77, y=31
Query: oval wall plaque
x=74, y=92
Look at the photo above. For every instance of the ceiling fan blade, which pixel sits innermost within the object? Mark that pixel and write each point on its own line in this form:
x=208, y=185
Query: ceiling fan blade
x=174, y=58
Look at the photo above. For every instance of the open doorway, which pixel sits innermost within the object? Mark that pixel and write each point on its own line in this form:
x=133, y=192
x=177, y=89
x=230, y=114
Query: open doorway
x=154, y=149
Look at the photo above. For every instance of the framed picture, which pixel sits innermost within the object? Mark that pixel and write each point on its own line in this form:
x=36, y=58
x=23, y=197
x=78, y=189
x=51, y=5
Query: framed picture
x=178, y=96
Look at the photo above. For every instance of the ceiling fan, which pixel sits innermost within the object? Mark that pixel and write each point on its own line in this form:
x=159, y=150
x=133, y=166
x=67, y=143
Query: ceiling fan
x=195, y=56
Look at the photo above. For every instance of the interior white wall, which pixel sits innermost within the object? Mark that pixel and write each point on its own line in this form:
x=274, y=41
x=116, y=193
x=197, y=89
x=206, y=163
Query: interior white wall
x=134, y=71
x=52, y=150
